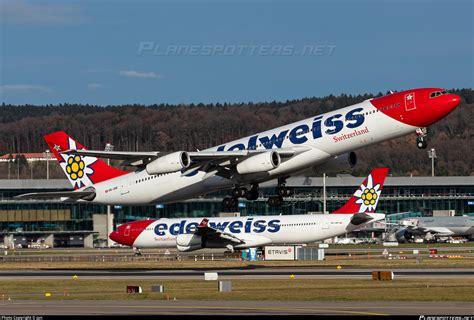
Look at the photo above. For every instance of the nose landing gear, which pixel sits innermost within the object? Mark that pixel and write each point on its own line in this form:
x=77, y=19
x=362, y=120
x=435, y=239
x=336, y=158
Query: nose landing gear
x=421, y=139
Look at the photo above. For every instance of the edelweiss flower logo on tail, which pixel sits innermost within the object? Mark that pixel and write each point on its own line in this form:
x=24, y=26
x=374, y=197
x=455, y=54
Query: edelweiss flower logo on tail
x=78, y=169
x=368, y=195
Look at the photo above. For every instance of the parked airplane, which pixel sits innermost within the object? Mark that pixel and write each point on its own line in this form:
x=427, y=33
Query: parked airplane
x=430, y=228
x=306, y=147
x=188, y=234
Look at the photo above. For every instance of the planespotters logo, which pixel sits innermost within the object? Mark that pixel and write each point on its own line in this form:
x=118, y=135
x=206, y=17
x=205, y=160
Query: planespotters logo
x=77, y=168
x=368, y=195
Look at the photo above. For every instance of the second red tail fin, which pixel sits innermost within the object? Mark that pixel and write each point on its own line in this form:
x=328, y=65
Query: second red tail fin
x=81, y=171
x=365, y=198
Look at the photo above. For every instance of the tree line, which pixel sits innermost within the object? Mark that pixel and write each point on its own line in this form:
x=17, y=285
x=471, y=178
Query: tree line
x=189, y=127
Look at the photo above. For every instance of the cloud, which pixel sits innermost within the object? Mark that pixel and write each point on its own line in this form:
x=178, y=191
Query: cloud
x=138, y=74
x=94, y=86
x=12, y=88
x=24, y=11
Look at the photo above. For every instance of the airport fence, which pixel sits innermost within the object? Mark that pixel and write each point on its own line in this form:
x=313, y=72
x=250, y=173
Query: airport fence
x=122, y=258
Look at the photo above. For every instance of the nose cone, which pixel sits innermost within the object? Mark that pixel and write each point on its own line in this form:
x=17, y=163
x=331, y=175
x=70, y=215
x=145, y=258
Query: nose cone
x=447, y=103
x=114, y=236
x=453, y=101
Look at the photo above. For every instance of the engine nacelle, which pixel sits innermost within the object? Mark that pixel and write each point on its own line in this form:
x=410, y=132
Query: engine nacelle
x=259, y=163
x=188, y=242
x=338, y=163
x=403, y=235
x=170, y=163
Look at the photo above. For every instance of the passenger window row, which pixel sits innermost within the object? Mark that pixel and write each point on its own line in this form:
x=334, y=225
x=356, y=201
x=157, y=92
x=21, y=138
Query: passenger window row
x=150, y=177
x=298, y=224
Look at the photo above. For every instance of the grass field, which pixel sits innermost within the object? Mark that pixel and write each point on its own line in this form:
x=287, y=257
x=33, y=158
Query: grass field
x=330, y=262
x=290, y=289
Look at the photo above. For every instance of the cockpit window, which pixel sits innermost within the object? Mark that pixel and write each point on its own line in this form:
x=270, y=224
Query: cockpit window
x=437, y=94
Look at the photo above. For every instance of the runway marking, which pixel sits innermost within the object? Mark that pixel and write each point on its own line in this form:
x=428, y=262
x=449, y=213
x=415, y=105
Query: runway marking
x=259, y=308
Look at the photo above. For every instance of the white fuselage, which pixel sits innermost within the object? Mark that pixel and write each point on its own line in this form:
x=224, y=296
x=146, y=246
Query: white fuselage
x=254, y=230
x=322, y=137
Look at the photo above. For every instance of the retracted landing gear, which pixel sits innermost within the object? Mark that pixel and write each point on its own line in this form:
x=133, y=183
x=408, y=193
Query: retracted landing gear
x=421, y=139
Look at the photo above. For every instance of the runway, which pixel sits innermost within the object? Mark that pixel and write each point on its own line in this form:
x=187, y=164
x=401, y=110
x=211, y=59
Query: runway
x=243, y=273
x=253, y=307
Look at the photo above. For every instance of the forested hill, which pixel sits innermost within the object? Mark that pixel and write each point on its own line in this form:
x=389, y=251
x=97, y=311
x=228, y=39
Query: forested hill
x=189, y=127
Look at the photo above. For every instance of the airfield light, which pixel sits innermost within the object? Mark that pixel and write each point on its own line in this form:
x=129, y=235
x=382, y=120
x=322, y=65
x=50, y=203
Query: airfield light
x=432, y=156
x=47, y=164
x=109, y=147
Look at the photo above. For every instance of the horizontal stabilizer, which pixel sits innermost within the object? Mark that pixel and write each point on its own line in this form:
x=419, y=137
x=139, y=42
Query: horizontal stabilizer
x=360, y=218
x=74, y=195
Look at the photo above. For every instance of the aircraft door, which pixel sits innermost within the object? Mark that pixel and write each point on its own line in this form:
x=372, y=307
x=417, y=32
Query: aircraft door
x=124, y=189
x=410, y=103
x=126, y=232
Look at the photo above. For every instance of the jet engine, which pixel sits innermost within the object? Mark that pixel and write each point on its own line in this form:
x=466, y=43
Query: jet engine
x=338, y=163
x=259, y=163
x=188, y=242
x=403, y=235
x=170, y=163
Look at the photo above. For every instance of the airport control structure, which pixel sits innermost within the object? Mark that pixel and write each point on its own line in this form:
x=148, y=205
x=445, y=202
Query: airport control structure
x=69, y=224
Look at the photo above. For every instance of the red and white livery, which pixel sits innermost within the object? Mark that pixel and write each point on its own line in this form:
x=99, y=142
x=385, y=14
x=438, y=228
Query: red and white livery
x=306, y=147
x=188, y=234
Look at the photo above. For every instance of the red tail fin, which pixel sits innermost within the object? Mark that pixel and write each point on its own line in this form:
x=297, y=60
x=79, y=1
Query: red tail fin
x=365, y=198
x=81, y=171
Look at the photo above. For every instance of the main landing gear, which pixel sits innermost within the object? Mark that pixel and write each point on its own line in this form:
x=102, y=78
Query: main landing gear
x=253, y=194
x=241, y=192
x=421, y=139
x=283, y=191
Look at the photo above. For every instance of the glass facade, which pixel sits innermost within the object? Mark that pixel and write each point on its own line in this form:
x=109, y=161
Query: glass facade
x=30, y=215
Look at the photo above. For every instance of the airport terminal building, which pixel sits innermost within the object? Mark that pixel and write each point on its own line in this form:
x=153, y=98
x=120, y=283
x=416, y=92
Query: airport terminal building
x=80, y=224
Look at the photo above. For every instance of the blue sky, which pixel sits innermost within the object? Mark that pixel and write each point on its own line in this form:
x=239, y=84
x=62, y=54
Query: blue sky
x=116, y=52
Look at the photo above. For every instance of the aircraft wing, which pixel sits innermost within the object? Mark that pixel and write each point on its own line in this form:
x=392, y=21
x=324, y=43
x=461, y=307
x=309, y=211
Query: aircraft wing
x=438, y=230
x=201, y=160
x=434, y=230
x=128, y=156
x=73, y=195
x=207, y=232
x=195, y=155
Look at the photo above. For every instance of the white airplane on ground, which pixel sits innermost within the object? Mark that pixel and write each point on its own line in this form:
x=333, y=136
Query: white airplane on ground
x=429, y=228
x=303, y=148
x=188, y=234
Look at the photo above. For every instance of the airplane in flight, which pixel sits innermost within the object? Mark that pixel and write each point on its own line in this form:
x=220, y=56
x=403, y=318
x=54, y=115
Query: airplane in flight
x=429, y=228
x=237, y=233
x=304, y=148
